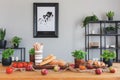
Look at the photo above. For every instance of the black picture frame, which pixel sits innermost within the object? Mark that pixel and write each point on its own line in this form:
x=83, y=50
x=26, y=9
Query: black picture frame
x=45, y=20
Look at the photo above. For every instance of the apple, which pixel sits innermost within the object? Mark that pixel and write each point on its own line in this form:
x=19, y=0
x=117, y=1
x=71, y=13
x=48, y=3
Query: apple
x=98, y=71
x=89, y=66
x=44, y=71
x=29, y=67
x=72, y=65
x=56, y=68
x=112, y=70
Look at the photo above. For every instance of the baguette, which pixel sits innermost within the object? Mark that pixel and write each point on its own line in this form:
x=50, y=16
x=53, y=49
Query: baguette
x=47, y=60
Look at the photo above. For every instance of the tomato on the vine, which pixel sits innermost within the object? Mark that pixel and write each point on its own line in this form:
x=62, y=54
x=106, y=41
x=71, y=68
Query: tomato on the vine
x=14, y=65
x=25, y=64
x=9, y=70
x=20, y=65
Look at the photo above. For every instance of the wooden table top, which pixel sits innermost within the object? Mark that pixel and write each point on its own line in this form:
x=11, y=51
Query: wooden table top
x=67, y=75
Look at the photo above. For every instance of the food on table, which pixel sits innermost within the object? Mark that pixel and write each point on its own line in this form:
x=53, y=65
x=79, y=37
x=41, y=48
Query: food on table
x=71, y=65
x=48, y=60
x=98, y=64
x=20, y=65
x=44, y=71
x=82, y=67
x=98, y=71
x=112, y=70
x=14, y=65
x=38, y=46
x=29, y=67
x=56, y=68
x=90, y=62
x=89, y=66
x=58, y=62
x=9, y=70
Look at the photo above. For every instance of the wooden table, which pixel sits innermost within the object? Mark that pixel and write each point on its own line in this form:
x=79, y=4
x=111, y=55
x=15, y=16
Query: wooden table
x=67, y=75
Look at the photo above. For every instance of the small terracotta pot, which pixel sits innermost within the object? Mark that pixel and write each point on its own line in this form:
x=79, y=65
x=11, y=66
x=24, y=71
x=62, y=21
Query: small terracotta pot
x=79, y=62
x=32, y=58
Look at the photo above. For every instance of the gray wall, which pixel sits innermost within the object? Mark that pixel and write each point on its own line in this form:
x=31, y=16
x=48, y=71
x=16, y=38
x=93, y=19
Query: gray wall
x=17, y=17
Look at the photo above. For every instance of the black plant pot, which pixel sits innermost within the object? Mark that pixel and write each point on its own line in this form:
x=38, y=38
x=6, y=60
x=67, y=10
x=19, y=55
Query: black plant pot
x=110, y=18
x=16, y=46
x=3, y=43
x=6, y=62
x=108, y=62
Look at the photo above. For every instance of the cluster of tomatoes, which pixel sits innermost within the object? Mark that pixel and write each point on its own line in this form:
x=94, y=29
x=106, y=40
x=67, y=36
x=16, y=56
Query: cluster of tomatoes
x=28, y=66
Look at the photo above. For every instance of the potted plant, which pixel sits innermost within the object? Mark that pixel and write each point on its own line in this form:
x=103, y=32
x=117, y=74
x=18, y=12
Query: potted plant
x=6, y=57
x=110, y=15
x=16, y=41
x=2, y=36
x=108, y=57
x=110, y=29
x=32, y=55
x=89, y=18
x=79, y=56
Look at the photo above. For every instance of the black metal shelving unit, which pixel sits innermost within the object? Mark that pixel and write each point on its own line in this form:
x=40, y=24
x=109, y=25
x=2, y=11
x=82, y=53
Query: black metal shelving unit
x=22, y=52
x=102, y=37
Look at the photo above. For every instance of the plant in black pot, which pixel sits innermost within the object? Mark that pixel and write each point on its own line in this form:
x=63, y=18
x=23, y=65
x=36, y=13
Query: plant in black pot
x=32, y=55
x=108, y=57
x=110, y=29
x=89, y=18
x=2, y=36
x=79, y=56
x=6, y=57
x=110, y=15
x=16, y=41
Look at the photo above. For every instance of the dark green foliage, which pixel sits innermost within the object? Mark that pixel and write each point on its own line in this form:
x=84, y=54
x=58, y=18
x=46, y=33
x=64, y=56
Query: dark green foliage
x=79, y=54
x=108, y=55
x=7, y=53
x=111, y=28
x=89, y=18
x=32, y=51
x=16, y=40
x=2, y=33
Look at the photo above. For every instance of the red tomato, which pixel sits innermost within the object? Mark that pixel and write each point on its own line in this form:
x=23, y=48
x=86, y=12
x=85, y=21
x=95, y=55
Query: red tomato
x=14, y=65
x=20, y=65
x=9, y=70
x=25, y=64
x=30, y=63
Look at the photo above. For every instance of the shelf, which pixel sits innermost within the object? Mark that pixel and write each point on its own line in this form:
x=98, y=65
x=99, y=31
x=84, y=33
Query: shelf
x=103, y=48
x=105, y=21
x=102, y=35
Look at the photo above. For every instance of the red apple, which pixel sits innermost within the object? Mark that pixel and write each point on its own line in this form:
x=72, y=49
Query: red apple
x=89, y=66
x=72, y=65
x=98, y=71
x=29, y=67
x=44, y=71
x=112, y=70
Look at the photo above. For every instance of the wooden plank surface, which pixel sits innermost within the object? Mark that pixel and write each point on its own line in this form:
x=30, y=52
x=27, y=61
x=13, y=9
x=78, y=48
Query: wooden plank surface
x=67, y=75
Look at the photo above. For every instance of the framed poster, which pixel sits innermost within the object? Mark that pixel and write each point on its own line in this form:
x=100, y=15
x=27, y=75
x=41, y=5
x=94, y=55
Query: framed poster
x=45, y=20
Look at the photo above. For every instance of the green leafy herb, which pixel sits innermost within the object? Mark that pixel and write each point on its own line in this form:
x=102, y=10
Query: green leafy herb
x=7, y=53
x=108, y=55
x=32, y=51
x=79, y=54
x=16, y=40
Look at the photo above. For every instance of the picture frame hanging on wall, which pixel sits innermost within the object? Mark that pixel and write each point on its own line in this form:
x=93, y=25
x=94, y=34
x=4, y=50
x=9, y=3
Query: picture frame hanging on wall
x=45, y=20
